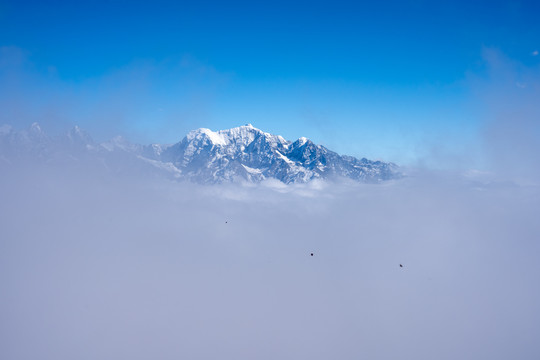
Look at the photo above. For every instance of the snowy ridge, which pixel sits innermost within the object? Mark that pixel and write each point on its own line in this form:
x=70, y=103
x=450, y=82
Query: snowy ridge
x=244, y=153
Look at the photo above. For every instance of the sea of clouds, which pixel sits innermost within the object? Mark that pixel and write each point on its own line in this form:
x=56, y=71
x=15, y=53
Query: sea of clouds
x=96, y=265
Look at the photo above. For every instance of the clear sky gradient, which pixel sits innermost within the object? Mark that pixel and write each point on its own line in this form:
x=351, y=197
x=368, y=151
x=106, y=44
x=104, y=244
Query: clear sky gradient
x=406, y=81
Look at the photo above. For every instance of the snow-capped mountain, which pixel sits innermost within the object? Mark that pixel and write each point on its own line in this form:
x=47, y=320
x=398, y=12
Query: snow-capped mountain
x=29, y=142
x=248, y=153
x=243, y=153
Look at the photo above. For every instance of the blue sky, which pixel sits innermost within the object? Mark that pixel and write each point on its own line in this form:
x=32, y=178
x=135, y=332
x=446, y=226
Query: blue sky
x=407, y=81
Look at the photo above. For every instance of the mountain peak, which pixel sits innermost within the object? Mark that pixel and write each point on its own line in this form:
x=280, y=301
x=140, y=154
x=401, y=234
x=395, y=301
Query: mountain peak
x=204, y=133
x=240, y=129
x=302, y=140
x=78, y=136
x=247, y=152
x=242, y=134
x=35, y=128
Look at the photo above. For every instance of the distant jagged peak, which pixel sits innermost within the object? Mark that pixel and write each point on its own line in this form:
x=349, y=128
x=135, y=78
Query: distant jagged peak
x=35, y=128
x=77, y=135
x=302, y=141
x=75, y=129
x=34, y=133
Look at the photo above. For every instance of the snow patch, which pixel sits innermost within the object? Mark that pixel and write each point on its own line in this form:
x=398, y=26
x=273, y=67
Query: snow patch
x=252, y=170
x=302, y=140
x=215, y=138
x=283, y=157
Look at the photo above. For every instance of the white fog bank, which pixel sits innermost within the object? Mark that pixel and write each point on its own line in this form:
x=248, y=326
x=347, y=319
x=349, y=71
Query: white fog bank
x=94, y=266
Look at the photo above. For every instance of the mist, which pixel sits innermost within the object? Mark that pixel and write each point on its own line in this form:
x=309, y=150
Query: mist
x=109, y=252
x=508, y=96
x=124, y=264
x=101, y=265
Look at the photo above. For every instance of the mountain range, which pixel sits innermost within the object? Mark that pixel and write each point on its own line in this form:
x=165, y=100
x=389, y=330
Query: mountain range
x=243, y=153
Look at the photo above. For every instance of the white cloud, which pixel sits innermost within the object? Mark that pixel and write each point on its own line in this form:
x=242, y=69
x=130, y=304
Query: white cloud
x=130, y=268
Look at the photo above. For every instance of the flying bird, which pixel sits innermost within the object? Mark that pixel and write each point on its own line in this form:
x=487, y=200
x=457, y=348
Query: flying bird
x=400, y=265
x=311, y=254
